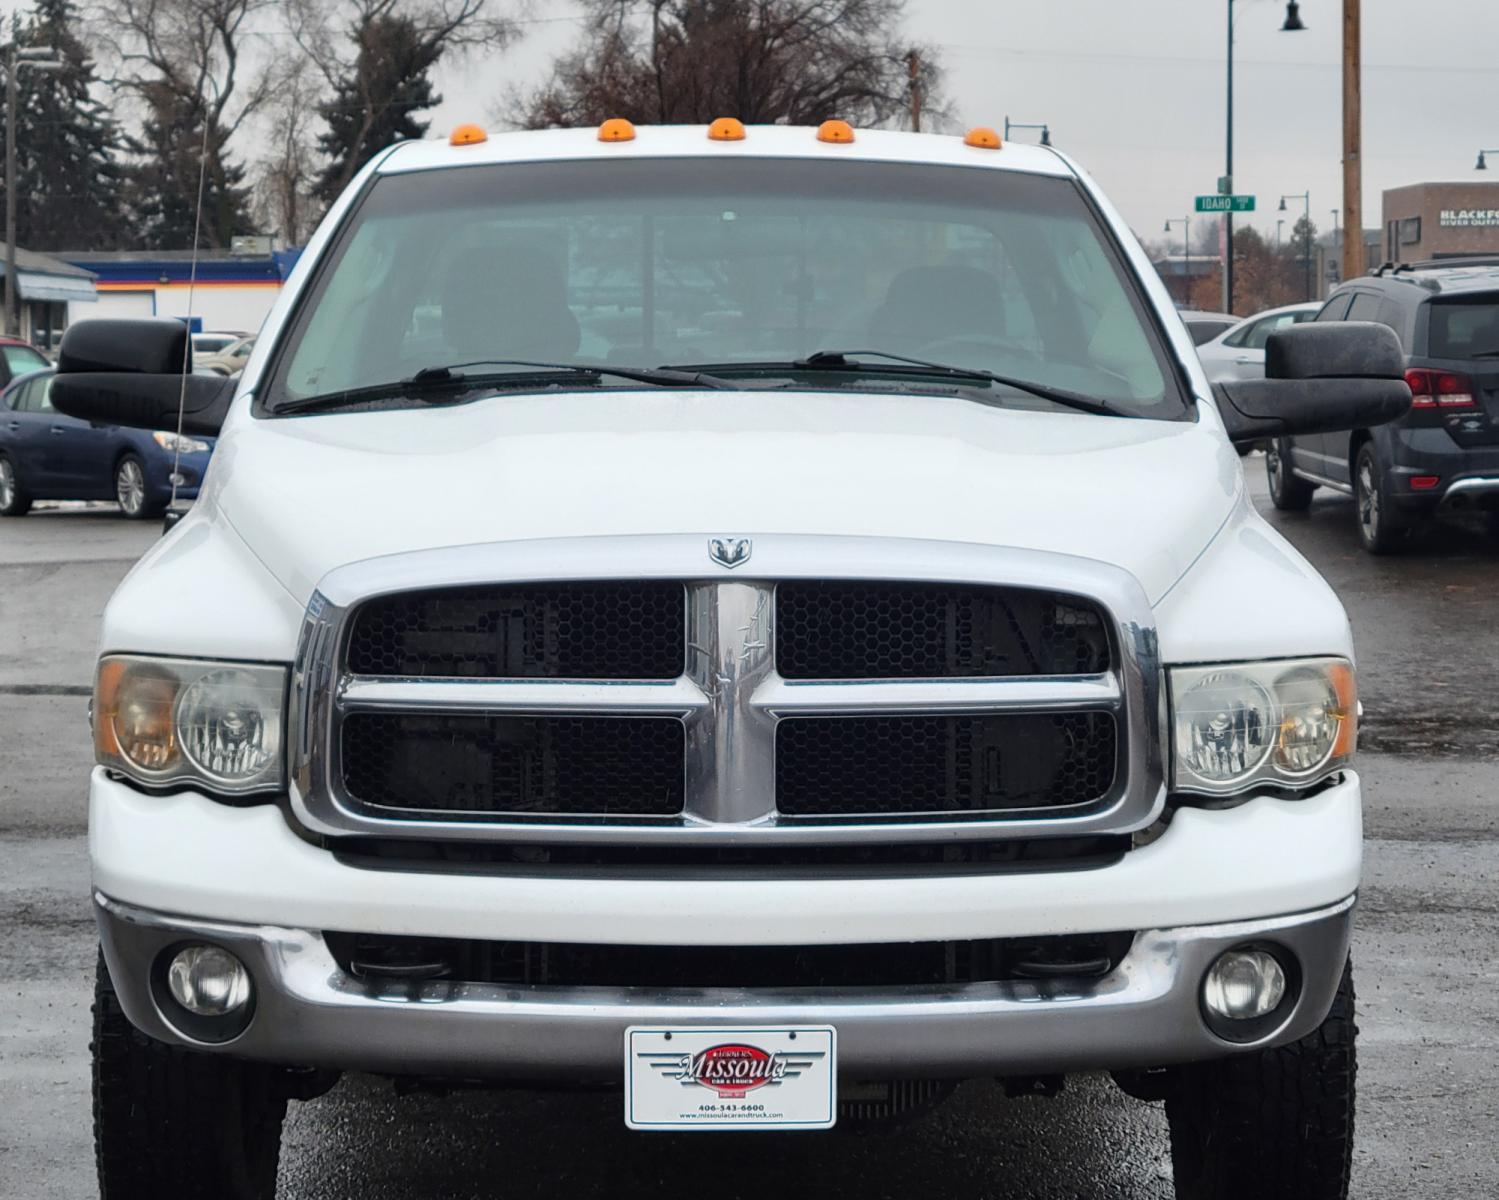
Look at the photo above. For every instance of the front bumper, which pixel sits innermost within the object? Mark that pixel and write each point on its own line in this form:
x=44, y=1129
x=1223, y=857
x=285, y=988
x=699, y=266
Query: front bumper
x=191, y=468
x=308, y=1012
x=184, y=853
x=183, y=867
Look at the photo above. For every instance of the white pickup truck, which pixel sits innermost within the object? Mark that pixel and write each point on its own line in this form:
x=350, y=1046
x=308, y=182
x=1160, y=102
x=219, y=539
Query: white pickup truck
x=765, y=620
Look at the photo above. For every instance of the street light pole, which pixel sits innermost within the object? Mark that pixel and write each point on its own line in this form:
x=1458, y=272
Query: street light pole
x=1337, y=237
x=1186, y=224
x=1045, y=130
x=1306, y=242
x=16, y=57
x=1228, y=176
x=12, y=324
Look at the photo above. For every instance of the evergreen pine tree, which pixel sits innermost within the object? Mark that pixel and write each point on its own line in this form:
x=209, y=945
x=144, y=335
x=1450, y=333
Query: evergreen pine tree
x=68, y=178
x=375, y=101
x=163, y=183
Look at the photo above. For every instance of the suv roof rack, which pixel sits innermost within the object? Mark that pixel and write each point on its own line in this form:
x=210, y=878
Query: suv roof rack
x=1456, y=260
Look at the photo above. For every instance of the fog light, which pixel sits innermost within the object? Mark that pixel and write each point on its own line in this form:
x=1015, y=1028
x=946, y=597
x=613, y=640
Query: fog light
x=208, y=981
x=1244, y=985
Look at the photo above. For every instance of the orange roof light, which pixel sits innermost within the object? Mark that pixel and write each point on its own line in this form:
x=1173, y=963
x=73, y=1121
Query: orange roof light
x=616, y=129
x=468, y=135
x=726, y=129
x=840, y=132
x=983, y=137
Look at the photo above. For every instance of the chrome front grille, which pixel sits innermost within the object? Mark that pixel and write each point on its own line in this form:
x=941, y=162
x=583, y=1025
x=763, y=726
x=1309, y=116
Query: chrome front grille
x=897, y=629
x=439, y=764
x=615, y=629
x=739, y=746
x=893, y=766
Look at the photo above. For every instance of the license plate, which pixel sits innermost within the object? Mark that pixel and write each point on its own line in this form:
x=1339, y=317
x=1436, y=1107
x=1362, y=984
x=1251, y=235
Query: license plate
x=781, y=1077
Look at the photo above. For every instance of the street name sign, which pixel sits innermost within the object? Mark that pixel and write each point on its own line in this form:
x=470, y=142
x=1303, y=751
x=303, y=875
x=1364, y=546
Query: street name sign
x=1210, y=204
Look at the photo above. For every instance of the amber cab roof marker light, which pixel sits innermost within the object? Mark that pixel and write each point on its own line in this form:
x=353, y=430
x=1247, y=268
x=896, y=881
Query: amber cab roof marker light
x=983, y=137
x=468, y=135
x=838, y=132
x=726, y=129
x=616, y=129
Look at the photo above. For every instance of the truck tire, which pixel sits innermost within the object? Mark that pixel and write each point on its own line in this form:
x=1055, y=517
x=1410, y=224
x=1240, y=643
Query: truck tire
x=1288, y=492
x=175, y=1122
x=1381, y=527
x=1272, y=1125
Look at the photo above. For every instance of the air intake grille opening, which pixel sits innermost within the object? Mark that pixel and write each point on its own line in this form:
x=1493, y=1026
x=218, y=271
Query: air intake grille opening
x=633, y=629
x=884, y=766
x=565, y=964
x=881, y=630
x=462, y=766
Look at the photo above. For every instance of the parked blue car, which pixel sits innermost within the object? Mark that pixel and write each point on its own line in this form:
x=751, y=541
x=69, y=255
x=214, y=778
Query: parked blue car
x=45, y=455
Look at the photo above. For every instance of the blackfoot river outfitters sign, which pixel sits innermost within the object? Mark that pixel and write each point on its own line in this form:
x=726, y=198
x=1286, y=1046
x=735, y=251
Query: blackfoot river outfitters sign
x=1466, y=218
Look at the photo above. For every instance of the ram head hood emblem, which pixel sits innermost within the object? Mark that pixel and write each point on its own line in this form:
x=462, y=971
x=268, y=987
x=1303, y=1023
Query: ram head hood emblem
x=730, y=551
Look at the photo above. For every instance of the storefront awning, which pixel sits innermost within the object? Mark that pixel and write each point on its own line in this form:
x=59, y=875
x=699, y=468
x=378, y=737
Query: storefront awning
x=55, y=288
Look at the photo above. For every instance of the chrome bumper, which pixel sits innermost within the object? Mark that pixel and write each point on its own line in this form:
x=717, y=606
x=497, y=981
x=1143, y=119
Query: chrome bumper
x=1460, y=491
x=309, y=1012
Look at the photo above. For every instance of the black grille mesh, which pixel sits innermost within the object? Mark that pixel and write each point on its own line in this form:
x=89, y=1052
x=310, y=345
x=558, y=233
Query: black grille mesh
x=874, y=630
x=846, y=766
x=467, y=765
x=1074, y=956
x=633, y=629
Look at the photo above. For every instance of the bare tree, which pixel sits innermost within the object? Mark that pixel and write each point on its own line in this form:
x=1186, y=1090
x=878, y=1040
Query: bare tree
x=795, y=61
x=284, y=202
x=186, y=62
x=374, y=56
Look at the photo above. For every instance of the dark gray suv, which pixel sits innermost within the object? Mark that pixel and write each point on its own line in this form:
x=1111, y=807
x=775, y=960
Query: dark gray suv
x=1444, y=454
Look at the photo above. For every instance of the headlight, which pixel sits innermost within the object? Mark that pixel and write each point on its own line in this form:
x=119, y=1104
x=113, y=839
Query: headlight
x=165, y=720
x=1236, y=725
x=178, y=443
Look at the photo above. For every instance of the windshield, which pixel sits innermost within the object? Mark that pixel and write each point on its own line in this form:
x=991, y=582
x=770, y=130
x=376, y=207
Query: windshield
x=21, y=359
x=753, y=264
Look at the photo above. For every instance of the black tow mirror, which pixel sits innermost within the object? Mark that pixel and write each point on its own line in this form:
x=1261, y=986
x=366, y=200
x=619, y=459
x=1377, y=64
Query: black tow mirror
x=137, y=373
x=1319, y=378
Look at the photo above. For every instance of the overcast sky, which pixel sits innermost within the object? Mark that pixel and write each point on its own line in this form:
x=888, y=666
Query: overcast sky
x=1135, y=90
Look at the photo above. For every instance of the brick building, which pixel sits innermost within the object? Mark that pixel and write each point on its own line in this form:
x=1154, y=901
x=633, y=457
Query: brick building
x=1441, y=220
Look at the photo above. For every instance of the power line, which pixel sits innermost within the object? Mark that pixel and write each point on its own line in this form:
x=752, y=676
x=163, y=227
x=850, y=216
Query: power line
x=968, y=50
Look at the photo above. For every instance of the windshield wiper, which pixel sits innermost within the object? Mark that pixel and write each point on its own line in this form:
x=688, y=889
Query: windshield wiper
x=434, y=384
x=848, y=360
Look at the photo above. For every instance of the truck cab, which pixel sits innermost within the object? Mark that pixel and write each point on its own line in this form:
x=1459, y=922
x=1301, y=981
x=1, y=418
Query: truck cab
x=744, y=621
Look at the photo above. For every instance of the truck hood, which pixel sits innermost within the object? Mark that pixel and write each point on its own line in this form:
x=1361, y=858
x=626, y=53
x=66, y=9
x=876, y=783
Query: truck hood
x=313, y=493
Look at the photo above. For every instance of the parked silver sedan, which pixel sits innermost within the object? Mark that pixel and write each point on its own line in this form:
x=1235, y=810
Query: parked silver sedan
x=1239, y=352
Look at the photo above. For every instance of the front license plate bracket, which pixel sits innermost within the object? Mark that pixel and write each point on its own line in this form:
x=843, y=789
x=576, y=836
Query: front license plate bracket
x=760, y=1077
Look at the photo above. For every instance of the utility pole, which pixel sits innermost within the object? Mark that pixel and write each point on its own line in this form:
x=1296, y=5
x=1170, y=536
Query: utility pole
x=1353, y=164
x=913, y=69
x=15, y=59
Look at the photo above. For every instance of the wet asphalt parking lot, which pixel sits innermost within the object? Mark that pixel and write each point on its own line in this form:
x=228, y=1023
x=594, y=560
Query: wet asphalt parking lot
x=1426, y=949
